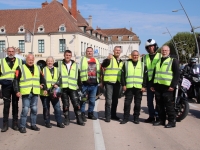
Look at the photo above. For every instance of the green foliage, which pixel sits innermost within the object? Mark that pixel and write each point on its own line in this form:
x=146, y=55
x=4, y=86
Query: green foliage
x=181, y=39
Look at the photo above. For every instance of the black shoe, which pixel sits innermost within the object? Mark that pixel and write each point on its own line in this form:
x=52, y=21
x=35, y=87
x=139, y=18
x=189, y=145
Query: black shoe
x=170, y=125
x=83, y=117
x=60, y=125
x=79, y=120
x=136, y=121
x=158, y=123
x=22, y=130
x=91, y=116
x=124, y=121
x=5, y=127
x=48, y=125
x=107, y=119
x=35, y=128
x=115, y=118
x=66, y=121
x=15, y=126
x=150, y=120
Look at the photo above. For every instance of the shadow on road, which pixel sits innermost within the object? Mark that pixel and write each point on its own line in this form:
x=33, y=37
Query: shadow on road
x=195, y=113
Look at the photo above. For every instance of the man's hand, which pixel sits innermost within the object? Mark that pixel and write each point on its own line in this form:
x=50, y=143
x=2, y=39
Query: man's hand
x=18, y=94
x=171, y=89
x=41, y=86
x=124, y=88
x=110, y=56
x=152, y=89
x=143, y=89
x=45, y=92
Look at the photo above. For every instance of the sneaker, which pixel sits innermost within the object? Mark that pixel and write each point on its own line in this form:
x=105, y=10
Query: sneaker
x=124, y=121
x=83, y=117
x=22, y=130
x=35, y=128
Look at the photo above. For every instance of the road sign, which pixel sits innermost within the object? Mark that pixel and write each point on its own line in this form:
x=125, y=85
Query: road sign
x=96, y=52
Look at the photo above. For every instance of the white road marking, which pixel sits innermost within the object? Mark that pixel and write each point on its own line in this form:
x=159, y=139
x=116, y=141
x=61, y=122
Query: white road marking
x=193, y=105
x=98, y=136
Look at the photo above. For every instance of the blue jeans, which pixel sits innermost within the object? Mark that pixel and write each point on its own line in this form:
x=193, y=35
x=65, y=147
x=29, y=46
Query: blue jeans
x=29, y=101
x=46, y=108
x=91, y=91
x=150, y=104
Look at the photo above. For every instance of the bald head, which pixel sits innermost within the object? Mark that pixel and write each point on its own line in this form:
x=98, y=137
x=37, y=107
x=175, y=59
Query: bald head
x=30, y=59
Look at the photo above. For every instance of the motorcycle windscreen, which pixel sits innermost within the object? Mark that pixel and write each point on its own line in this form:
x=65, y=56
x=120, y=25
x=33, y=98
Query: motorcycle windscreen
x=196, y=70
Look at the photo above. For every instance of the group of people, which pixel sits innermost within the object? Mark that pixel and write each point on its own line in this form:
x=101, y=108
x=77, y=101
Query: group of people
x=156, y=73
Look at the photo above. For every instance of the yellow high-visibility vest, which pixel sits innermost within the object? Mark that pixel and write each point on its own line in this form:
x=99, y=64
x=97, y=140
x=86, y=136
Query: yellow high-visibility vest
x=113, y=71
x=29, y=81
x=7, y=72
x=84, y=69
x=134, y=75
x=164, y=74
x=69, y=80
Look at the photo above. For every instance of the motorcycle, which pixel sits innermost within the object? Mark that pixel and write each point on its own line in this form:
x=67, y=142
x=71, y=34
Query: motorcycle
x=181, y=104
x=194, y=77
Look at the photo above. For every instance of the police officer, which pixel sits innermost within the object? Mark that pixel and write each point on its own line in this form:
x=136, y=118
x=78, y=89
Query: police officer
x=51, y=75
x=7, y=71
x=133, y=80
x=27, y=83
x=150, y=60
x=69, y=83
x=90, y=76
x=165, y=78
x=112, y=76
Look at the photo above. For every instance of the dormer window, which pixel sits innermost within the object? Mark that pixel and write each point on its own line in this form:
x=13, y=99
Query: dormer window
x=130, y=38
x=21, y=29
x=2, y=30
x=109, y=38
x=41, y=29
x=62, y=28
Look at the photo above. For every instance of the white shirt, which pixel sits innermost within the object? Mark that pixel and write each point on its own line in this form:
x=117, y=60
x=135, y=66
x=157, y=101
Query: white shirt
x=68, y=66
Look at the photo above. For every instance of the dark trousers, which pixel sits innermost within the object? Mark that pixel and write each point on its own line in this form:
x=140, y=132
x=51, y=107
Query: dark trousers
x=165, y=103
x=111, y=96
x=129, y=93
x=46, y=108
x=7, y=93
x=73, y=96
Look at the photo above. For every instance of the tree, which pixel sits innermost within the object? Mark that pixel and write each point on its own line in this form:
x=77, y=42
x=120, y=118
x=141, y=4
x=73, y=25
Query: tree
x=184, y=42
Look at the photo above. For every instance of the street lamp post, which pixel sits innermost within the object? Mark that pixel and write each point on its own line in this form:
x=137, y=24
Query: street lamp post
x=191, y=27
x=174, y=44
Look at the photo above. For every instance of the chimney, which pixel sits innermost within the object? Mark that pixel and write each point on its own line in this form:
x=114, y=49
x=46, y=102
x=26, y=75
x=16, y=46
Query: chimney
x=74, y=9
x=44, y=4
x=90, y=20
x=66, y=4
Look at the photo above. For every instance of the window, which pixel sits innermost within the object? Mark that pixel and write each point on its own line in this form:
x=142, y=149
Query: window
x=40, y=46
x=109, y=38
x=41, y=29
x=2, y=45
x=21, y=29
x=62, y=45
x=130, y=38
x=119, y=38
x=62, y=28
x=22, y=46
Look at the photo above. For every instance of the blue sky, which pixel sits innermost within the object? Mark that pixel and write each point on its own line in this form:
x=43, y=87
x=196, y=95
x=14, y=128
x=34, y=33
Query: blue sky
x=148, y=18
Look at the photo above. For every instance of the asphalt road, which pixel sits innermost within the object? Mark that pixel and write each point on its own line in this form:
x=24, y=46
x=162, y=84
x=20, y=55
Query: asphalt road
x=99, y=135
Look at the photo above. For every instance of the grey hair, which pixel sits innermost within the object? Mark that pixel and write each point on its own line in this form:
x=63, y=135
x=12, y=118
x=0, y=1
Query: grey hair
x=50, y=57
x=135, y=51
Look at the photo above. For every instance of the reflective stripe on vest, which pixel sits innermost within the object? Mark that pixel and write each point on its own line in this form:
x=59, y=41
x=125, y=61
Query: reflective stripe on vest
x=113, y=71
x=151, y=64
x=28, y=81
x=7, y=72
x=84, y=69
x=49, y=80
x=164, y=74
x=134, y=75
x=68, y=80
